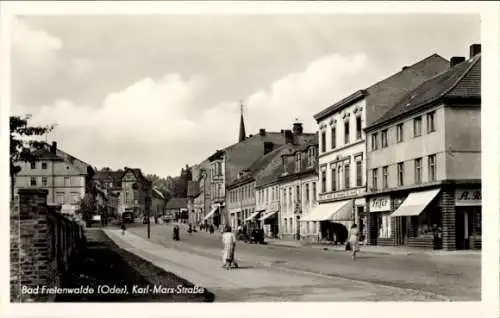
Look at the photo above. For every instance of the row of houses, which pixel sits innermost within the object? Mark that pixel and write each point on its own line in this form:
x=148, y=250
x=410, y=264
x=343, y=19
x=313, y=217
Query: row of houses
x=401, y=159
x=120, y=194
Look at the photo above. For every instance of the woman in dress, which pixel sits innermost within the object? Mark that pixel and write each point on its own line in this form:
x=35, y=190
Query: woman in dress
x=354, y=240
x=229, y=242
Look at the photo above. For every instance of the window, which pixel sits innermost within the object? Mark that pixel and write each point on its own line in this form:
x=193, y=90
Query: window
x=33, y=181
x=44, y=181
x=359, y=173
x=311, y=154
x=323, y=141
x=417, y=126
x=75, y=197
x=418, y=170
x=334, y=137
x=33, y=165
x=346, y=132
x=290, y=196
x=297, y=193
x=401, y=173
x=307, y=192
x=374, y=141
x=339, y=177
x=399, y=133
x=384, y=138
x=323, y=181
x=267, y=195
x=67, y=181
x=334, y=179
x=44, y=165
x=385, y=177
x=358, y=127
x=298, y=162
x=347, y=176
x=60, y=198
x=432, y=167
x=430, y=122
x=314, y=192
x=284, y=198
x=374, y=178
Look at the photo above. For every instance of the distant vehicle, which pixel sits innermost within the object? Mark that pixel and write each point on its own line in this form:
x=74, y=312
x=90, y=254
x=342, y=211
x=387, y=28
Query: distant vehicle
x=128, y=217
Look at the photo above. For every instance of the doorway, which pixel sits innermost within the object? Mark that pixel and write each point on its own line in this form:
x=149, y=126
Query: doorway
x=464, y=220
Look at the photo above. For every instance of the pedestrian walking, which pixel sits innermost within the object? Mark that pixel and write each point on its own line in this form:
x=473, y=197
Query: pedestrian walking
x=229, y=242
x=123, y=227
x=353, y=240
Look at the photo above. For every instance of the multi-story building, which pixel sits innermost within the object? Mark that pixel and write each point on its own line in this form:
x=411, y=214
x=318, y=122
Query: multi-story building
x=424, y=163
x=176, y=209
x=342, y=158
x=136, y=194
x=199, y=192
x=297, y=193
x=226, y=164
x=244, y=203
x=66, y=178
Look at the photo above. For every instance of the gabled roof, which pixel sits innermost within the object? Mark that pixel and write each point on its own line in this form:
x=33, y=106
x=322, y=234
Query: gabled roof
x=137, y=173
x=462, y=81
x=44, y=154
x=107, y=175
x=177, y=203
x=420, y=70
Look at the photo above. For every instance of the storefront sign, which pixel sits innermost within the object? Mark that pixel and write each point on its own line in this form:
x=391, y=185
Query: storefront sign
x=468, y=197
x=380, y=204
x=341, y=194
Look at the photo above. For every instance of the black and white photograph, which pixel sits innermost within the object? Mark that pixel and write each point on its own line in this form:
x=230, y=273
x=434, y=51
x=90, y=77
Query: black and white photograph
x=247, y=157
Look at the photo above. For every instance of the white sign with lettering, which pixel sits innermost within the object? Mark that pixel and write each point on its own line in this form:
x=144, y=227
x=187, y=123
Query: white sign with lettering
x=380, y=204
x=467, y=197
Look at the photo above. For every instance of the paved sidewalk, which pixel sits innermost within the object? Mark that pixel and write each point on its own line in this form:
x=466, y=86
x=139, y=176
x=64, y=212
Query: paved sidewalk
x=254, y=282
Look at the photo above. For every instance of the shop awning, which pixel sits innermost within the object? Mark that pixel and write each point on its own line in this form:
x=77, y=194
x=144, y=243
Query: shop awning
x=415, y=203
x=335, y=211
x=251, y=217
x=209, y=215
x=268, y=215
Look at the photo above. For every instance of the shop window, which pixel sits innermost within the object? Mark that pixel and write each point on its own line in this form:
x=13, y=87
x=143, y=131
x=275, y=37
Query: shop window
x=384, y=226
x=426, y=220
x=476, y=222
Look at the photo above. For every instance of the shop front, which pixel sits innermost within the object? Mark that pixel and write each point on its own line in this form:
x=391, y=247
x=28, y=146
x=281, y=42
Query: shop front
x=335, y=219
x=270, y=224
x=468, y=218
x=380, y=221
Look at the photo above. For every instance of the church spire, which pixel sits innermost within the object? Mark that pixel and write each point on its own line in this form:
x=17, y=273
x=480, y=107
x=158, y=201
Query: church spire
x=242, y=125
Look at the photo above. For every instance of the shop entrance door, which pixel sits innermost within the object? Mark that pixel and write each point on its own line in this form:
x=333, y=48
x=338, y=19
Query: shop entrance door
x=463, y=228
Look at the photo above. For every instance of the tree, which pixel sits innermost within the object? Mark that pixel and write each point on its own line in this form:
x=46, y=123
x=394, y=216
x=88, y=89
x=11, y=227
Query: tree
x=87, y=208
x=22, y=149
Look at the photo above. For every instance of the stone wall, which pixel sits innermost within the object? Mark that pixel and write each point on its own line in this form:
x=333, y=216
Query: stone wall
x=42, y=244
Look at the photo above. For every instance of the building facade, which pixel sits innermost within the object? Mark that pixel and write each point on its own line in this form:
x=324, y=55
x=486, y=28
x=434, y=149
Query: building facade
x=66, y=178
x=136, y=194
x=297, y=192
x=424, y=163
x=342, y=157
x=158, y=204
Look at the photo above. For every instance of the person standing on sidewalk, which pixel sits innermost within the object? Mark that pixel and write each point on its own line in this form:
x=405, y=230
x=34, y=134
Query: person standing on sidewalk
x=229, y=242
x=123, y=227
x=354, y=240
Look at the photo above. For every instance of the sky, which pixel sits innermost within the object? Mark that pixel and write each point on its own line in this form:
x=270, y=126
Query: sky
x=158, y=92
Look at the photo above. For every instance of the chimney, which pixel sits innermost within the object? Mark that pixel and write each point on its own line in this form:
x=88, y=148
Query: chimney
x=475, y=49
x=456, y=60
x=404, y=68
x=262, y=132
x=268, y=147
x=297, y=129
x=53, y=148
x=288, y=136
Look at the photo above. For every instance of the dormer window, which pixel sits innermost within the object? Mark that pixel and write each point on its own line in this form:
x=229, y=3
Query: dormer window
x=298, y=162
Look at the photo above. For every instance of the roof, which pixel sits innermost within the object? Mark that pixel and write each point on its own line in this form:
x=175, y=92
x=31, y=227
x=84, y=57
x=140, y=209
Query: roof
x=177, y=203
x=420, y=70
x=273, y=174
x=45, y=154
x=106, y=175
x=137, y=173
x=462, y=81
